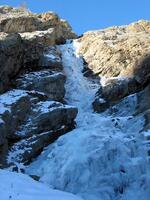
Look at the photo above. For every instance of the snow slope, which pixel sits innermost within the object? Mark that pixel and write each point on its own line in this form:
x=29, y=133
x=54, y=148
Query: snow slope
x=15, y=186
x=104, y=158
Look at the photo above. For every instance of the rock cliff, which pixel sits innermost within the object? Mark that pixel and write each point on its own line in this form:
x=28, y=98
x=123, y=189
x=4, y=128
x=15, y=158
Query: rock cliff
x=32, y=113
x=120, y=56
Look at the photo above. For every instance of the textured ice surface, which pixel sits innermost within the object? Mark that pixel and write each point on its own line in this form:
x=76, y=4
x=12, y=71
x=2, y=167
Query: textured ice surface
x=104, y=158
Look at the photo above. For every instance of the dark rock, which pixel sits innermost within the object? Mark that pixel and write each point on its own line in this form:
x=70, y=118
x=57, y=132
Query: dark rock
x=143, y=106
x=47, y=82
x=14, y=109
x=51, y=59
x=3, y=153
x=36, y=178
x=143, y=100
x=46, y=116
x=11, y=58
x=113, y=91
x=100, y=105
x=25, y=150
x=147, y=120
x=24, y=119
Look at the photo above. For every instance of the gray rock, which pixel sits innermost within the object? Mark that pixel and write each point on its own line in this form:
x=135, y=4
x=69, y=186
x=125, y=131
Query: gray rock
x=47, y=116
x=119, y=51
x=3, y=153
x=143, y=100
x=14, y=20
x=48, y=82
x=27, y=149
x=113, y=91
x=2, y=132
x=51, y=59
x=26, y=116
x=11, y=58
x=14, y=109
x=143, y=106
x=100, y=104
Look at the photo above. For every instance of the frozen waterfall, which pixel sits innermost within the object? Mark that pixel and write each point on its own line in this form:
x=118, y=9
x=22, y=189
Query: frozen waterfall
x=104, y=158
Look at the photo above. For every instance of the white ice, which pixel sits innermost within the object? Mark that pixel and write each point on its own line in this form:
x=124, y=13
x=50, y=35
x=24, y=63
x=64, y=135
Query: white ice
x=104, y=158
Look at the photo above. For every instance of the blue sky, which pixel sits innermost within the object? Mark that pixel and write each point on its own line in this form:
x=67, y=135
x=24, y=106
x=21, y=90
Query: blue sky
x=84, y=15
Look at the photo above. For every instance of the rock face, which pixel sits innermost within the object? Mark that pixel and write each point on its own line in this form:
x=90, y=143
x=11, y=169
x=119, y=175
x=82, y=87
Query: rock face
x=21, y=21
x=25, y=115
x=48, y=82
x=31, y=115
x=47, y=121
x=121, y=52
x=11, y=58
x=35, y=32
x=143, y=105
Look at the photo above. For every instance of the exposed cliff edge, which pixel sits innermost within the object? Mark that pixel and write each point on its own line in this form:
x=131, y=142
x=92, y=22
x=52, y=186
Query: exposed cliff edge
x=32, y=113
x=120, y=55
x=23, y=38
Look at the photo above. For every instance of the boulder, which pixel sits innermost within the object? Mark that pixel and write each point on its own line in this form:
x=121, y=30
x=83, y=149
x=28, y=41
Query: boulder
x=48, y=121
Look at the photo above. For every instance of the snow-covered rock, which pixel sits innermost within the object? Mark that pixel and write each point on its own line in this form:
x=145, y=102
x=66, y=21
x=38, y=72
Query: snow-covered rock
x=51, y=59
x=24, y=115
x=15, y=106
x=48, y=82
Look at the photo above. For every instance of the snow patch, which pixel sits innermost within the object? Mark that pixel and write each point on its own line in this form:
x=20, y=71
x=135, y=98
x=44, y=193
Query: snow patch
x=17, y=186
x=9, y=98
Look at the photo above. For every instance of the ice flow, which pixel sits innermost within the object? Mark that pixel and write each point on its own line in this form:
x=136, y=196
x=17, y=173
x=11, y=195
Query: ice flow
x=104, y=157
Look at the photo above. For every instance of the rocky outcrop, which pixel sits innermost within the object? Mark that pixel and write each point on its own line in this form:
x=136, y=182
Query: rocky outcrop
x=31, y=69
x=143, y=106
x=11, y=58
x=113, y=90
x=24, y=38
x=121, y=52
x=24, y=115
x=21, y=21
x=47, y=122
x=48, y=82
x=25, y=150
